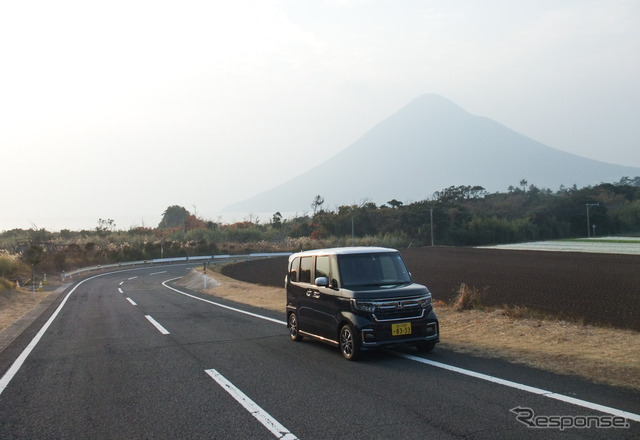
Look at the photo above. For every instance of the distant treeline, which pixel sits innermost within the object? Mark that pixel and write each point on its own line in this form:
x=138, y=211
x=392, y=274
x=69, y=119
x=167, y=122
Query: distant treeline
x=469, y=216
x=454, y=216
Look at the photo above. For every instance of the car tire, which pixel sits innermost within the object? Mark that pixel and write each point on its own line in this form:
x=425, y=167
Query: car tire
x=426, y=346
x=292, y=325
x=349, y=343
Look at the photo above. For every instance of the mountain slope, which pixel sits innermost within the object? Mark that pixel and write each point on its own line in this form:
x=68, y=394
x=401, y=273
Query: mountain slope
x=429, y=145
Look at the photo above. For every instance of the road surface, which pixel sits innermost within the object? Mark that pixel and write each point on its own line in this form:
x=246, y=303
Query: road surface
x=127, y=355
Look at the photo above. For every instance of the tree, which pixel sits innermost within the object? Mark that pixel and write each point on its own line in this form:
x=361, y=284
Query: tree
x=630, y=182
x=33, y=255
x=317, y=203
x=395, y=203
x=105, y=225
x=174, y=217
x=276, y=220
x=459, y=193
x=523, y=184
x=192, y=222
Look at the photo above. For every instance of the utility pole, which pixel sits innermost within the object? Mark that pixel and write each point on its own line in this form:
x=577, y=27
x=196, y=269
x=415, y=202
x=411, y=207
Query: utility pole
x=352, y=229
x=589, y=205
x=431, y=222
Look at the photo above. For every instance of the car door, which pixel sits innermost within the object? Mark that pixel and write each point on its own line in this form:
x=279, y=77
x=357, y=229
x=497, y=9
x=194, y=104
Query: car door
x=325, y=300
x=305, y=298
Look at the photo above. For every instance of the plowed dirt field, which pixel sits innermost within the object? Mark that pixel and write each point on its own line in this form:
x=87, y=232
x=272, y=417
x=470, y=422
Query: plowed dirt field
x=599, y=289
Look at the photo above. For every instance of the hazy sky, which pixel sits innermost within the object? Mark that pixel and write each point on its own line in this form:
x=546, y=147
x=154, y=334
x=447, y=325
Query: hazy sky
x=119, y=109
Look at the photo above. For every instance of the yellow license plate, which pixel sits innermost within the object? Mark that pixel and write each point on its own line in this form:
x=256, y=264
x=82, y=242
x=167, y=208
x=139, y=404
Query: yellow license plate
x=401, y=329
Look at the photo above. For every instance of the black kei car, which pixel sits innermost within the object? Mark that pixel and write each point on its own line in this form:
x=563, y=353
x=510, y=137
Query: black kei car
x=358, y=298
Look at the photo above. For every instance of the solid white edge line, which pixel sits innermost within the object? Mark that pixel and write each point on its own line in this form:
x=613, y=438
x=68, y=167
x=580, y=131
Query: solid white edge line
x=133, y=303
x=497, y=380
x=157, y=325
x=529, y=389
x=13, y=370
x=254, y=409
x=17, y=364
x=255, y=315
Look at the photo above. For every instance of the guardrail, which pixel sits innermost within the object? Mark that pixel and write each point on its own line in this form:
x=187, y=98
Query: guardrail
x=158, y=261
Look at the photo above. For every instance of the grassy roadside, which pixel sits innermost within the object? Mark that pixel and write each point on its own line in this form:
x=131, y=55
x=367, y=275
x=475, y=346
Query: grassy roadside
x=15, y=303
x=603, y=355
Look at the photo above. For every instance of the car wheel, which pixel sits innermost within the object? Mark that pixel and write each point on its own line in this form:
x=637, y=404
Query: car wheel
x=292, y=325
x=426, y=346
x=349, y=343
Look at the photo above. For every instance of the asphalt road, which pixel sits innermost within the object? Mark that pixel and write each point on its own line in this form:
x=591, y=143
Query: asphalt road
x=125, y=357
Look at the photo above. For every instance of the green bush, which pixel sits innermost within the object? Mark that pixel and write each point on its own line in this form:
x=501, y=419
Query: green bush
x=7, y=266
x=11, y=267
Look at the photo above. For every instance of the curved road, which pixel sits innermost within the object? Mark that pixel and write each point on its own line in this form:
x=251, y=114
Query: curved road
x=128, y=355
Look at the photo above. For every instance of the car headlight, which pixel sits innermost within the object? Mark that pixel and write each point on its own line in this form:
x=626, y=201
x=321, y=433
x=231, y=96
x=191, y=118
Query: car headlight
x=425, y=301
x=364, y=306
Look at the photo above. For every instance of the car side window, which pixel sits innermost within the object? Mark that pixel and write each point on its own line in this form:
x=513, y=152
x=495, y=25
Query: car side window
x=293, y=270
x=323, y=267
x=306, y=264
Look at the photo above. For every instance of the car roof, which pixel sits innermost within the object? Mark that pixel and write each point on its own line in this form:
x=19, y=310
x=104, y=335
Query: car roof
x=343, y=251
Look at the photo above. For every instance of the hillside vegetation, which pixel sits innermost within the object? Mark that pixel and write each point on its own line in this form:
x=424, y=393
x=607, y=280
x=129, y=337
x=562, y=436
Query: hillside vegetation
x=454, y=216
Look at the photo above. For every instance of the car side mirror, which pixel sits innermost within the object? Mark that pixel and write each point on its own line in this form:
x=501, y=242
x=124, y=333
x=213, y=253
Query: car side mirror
x=322, y=281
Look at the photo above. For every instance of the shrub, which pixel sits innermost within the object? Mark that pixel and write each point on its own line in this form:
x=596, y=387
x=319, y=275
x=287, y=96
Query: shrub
x=5, y=284
x=12, y=267
x=468, y=298
x=6, y=265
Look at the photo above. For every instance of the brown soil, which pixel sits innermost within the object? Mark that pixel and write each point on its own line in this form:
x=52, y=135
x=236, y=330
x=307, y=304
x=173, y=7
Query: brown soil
x=592, y=288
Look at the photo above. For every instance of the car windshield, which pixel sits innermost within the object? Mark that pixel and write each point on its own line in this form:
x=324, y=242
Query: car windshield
x=375, y=269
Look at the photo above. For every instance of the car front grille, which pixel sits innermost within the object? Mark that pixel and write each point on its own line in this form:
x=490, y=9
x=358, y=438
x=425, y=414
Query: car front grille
x=399, y=314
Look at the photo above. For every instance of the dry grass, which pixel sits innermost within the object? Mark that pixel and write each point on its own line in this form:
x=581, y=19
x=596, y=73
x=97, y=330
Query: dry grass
x=271, y=298
x=468, y=299
x=606, y=355
x=15, y=303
